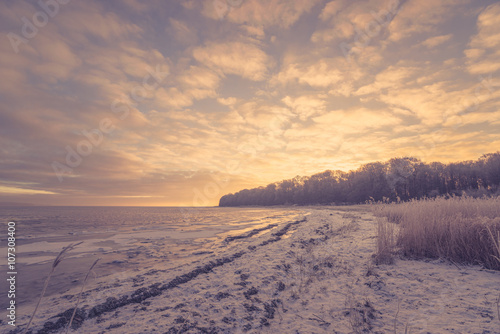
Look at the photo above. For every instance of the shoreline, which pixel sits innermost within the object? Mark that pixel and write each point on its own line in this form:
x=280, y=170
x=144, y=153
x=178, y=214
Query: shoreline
x=311, y=276
x=129, y=249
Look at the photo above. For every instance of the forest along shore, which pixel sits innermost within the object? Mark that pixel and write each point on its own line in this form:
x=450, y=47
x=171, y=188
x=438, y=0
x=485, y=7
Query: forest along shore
x=394, y=180
x=313, y=274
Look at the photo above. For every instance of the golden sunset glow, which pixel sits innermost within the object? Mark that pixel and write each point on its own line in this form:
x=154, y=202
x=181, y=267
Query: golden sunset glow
x=180, y=102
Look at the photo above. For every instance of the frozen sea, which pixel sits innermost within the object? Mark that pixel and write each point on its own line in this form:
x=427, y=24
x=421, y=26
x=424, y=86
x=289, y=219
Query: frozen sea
x=126, y=239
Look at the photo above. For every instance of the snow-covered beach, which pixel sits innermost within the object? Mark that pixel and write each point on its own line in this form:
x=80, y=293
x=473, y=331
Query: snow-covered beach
x=125, y=239
x=310, y=274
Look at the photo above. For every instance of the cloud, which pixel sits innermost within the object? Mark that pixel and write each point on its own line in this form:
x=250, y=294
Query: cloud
x=184, y=33
x=227, y=101
x=347, y=20
x=474, y=54
x=57, y=59
x=341, y=138
x=301, y=138
x=306, y=106
x=254, y=30
x=172, y=98
x=341, y=30
x=269, y=13
x=199, y=83
x=487, y=24
x=489, y=65
x=356, y=120
x=333, y=75
x=84, y=21
x=136, y=5
x=331, y=9
x=323, y=73
x=421, y=16
x=243, y=59
x=193, y=83
x=197, y=77
x=393, y=78
x=473, y=118
x=432, y=42
x=432, y=103
x=484, y=55
x=23, y=191
x=260, y=116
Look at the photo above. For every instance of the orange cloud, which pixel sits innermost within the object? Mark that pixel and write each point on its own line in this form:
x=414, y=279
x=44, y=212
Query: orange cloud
x=322, y=73
x=243, y=59
x=418, y=16
x=484, y=55
x=282, y=13
x=432, y=42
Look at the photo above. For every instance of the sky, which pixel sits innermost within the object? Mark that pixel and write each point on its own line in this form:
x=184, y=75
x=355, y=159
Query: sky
x=176, y=103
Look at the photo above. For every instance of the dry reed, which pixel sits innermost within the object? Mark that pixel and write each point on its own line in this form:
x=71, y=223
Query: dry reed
x=80, y=294
x=56, y=262
x=460, y=229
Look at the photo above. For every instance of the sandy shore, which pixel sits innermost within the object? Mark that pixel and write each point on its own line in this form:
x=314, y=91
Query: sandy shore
x=129, y=246
x=311, y=275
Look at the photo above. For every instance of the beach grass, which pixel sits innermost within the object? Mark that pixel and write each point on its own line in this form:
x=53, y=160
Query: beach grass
x=463, y=230
x=56, y=262
x=80, y=294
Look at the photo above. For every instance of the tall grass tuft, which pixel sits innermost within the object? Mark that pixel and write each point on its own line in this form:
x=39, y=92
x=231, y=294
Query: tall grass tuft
x=461, y=229
x=80, y=294
x=56, y=262
x=386, y=234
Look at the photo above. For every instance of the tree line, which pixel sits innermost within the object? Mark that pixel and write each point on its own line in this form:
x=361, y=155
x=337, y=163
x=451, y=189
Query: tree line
x=398, y=179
